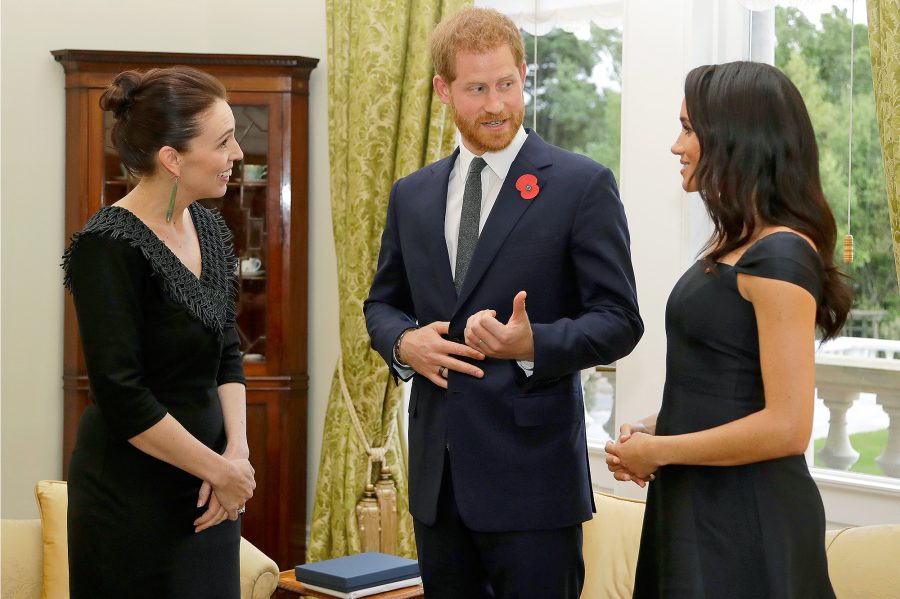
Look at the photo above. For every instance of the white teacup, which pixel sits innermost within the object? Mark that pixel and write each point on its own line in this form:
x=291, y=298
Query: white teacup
x=250, y=265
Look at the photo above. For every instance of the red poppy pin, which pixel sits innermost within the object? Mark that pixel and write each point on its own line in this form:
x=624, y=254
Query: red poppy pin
x=528, y=186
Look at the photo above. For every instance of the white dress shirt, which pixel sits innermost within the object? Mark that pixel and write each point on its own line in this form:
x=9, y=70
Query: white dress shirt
x=492, y=178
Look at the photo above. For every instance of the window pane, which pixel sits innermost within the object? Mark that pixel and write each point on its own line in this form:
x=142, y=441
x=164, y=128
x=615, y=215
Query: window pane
x=578, y=90
x=850, y=429
x=573, y=92
x=599, y=389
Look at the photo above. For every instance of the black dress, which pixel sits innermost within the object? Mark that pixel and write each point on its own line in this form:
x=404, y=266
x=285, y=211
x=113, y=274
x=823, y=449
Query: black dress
x=740, y=532
x=156, y=340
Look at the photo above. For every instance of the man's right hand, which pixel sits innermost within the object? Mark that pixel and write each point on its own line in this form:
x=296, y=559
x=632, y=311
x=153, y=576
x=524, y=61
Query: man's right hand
x=429, y=354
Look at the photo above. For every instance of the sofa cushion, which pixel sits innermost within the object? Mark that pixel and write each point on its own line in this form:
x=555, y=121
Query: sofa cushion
x=53, y=502
x=611, y=541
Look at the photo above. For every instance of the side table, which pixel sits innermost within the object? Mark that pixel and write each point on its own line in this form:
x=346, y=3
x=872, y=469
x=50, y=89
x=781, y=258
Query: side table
x=288, y=586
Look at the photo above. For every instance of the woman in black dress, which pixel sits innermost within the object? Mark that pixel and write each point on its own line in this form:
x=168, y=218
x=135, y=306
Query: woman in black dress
x=732, y=511
x=160, y=468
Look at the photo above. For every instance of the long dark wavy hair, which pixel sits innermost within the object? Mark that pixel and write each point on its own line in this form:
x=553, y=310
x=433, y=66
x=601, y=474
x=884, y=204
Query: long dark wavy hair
x=759, y=165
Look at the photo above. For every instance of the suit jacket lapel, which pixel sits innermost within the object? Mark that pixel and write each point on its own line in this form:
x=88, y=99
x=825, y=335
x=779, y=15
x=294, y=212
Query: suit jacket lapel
x=434, y=211
x=533, y=158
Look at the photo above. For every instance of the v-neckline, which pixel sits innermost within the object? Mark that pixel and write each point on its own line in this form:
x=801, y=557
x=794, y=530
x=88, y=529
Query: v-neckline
x=200, y=241
x=212, y=296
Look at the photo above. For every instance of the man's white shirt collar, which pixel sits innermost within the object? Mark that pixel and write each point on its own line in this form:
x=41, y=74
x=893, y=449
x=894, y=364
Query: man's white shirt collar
x=499, y=162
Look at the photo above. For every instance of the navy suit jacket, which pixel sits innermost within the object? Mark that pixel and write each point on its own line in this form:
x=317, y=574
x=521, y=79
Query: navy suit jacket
x=517, y=446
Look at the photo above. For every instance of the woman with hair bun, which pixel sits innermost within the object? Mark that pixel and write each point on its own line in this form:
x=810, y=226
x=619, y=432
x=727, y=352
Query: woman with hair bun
x=732, y=510
x=160, y=471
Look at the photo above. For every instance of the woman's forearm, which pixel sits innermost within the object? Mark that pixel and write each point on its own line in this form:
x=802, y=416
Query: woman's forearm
x=169, y=441
x=233, y=399
x=760, y=436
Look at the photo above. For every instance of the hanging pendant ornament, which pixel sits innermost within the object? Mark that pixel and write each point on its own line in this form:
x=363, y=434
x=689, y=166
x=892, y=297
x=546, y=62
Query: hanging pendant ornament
x=848, y=249
x=171, y=207
x=848, y=238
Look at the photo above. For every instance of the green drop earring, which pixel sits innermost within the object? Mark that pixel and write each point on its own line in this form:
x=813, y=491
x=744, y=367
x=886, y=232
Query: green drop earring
x=172, y=201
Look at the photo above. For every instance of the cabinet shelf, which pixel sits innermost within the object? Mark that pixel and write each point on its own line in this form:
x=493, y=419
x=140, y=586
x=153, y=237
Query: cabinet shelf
x=248, y=183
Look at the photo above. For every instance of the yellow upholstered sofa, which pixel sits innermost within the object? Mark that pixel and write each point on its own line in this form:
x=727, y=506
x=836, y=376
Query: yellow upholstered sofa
x=863, y=561
x=35, y=561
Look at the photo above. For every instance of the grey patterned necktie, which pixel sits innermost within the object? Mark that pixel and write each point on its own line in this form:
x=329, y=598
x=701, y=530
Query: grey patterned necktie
x=469, y=221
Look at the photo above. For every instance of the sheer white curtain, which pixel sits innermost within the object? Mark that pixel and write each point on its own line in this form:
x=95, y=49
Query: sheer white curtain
x=541, y=16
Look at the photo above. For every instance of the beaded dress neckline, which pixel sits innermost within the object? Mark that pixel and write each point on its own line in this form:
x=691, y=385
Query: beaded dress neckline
x=211, y=297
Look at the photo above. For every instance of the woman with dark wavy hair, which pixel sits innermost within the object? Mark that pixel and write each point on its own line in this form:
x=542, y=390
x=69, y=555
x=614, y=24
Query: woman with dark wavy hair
x=732, y=510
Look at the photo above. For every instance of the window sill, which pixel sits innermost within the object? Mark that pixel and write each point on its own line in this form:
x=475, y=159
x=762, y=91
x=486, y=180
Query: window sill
x=858, y=499
x=863, y=483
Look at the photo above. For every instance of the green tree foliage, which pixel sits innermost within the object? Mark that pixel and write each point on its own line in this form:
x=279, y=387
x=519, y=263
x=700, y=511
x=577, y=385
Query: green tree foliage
x=572, y=112
x=816, y=56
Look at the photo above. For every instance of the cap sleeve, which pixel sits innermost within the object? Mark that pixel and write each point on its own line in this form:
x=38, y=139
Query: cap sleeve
x=785, y=256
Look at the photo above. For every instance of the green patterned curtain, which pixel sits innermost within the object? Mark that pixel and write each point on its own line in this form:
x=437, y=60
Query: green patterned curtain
x=384, y=122
x=884, y=46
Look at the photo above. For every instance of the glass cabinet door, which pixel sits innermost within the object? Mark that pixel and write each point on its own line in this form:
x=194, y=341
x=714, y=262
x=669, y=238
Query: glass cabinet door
x=243, y=206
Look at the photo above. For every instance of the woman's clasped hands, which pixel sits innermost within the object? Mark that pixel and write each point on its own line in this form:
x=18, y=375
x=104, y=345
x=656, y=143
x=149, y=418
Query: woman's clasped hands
x=630, y=458
x=226, y=497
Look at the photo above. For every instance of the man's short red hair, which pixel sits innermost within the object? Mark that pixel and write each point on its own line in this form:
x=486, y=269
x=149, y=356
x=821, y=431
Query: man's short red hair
x=473, y=30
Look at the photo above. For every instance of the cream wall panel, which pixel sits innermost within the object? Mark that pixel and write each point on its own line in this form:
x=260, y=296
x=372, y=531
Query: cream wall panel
x=31, y=225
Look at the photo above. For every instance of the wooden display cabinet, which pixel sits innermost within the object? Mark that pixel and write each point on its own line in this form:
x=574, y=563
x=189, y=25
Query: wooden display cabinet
x=266, y=208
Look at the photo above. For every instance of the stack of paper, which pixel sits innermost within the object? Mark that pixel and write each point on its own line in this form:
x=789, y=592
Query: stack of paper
x=359, y=575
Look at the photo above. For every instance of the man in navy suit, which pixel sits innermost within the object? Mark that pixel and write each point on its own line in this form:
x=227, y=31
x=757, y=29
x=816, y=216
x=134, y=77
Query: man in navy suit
x=498, y=474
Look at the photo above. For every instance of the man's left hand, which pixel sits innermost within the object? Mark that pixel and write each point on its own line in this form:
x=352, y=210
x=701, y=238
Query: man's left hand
x=510, y=341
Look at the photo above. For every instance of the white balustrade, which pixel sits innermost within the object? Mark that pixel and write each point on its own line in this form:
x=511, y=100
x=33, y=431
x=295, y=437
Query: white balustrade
x=845, y=368
x=837, y=452
x=862, y=347
x=889, y=461
x=598, y=386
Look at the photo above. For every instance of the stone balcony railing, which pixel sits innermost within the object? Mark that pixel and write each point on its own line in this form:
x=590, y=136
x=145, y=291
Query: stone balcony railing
x=846, y=367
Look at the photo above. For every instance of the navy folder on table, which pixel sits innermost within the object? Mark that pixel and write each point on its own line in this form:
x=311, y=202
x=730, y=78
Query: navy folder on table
x=354, y=572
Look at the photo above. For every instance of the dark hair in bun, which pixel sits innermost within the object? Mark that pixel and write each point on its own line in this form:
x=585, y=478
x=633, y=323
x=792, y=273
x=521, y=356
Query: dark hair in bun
x=158, y=108
x=119, y=96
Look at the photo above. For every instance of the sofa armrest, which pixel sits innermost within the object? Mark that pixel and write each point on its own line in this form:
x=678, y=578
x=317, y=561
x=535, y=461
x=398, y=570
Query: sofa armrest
x=862, y=561
x=22, y=559
x=259, y=574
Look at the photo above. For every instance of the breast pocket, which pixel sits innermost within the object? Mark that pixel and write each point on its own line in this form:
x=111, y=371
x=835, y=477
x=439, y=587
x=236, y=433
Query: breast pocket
x=537, y=409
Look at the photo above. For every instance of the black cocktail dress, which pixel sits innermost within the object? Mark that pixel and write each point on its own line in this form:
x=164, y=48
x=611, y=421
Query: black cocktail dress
x=157, y=340
x=741, y=532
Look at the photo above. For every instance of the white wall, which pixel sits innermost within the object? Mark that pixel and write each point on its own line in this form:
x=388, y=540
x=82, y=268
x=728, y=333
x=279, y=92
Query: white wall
x=32, y=175
x=662, y=41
